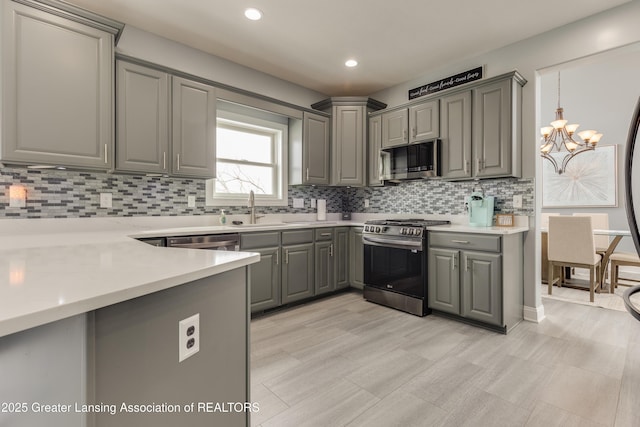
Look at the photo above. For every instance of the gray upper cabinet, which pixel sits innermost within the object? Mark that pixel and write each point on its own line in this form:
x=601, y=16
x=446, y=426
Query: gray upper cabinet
x=310, y=150
x=349, y=145
x=455, y=132
x=394, y=128
x=417, y=123
x=496, y=129
x=375, y=145
x=142, y=142
x=194, y=129
x=348, y=137
x=316, y=149
x=57, y=89
x=424, y=121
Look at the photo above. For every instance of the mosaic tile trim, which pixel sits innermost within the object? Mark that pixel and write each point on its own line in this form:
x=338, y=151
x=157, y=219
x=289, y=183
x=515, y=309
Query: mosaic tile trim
x=72, y=194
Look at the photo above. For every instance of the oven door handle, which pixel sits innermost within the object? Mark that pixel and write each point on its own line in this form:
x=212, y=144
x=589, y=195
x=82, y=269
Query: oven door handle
x=392, y=243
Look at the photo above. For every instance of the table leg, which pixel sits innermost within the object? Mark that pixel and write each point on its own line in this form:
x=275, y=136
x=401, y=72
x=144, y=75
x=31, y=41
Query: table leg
x=605, y=258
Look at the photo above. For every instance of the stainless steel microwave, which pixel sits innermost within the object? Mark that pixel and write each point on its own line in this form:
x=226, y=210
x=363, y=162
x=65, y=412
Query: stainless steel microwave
x=411, y=161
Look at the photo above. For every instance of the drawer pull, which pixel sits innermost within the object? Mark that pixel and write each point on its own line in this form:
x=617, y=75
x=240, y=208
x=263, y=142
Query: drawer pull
x=325, y=234
x=466, y=242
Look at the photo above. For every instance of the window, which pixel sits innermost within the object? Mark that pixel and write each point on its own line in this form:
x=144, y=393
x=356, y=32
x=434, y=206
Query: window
x=250, y=155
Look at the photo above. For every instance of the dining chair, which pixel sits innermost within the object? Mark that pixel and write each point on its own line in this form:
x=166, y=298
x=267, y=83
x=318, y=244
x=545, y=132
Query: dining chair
x=571, y=244
x=600, y=221
x=618, y=259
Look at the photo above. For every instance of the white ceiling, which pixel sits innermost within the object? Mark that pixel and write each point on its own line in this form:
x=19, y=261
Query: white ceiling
x=307, y=42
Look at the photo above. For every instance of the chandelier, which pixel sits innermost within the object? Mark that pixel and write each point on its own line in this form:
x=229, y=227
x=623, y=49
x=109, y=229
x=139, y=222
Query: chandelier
x=559, y=137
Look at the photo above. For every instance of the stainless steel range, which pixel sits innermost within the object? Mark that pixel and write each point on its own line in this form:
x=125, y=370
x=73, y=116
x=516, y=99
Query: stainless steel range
x=395, y=263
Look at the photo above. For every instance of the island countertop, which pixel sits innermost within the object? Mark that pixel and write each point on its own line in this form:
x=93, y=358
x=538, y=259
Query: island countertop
x=46, y=277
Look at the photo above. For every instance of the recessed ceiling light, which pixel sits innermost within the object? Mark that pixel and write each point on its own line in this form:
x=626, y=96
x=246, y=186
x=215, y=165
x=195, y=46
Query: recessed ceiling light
x=253, y=14
x=351, y=63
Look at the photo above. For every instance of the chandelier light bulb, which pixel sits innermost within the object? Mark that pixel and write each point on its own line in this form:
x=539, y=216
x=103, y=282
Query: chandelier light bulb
x=572, y=128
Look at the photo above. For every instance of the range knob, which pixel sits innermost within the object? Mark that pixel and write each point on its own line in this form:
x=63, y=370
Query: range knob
x=378, y=229
x=411, y=230
x=418, y=231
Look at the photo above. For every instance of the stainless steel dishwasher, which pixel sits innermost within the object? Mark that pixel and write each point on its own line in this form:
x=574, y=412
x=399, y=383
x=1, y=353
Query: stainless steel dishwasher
x=214, y=242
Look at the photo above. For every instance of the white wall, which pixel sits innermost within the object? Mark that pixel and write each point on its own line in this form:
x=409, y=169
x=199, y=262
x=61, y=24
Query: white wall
x=150, y=47
x=608, y=30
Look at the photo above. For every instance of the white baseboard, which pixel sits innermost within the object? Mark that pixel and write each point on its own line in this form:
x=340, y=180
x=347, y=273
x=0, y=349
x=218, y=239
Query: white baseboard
x=533, y=314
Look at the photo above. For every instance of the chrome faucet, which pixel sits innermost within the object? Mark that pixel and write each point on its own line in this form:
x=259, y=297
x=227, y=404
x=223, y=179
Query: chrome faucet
x=252, y=207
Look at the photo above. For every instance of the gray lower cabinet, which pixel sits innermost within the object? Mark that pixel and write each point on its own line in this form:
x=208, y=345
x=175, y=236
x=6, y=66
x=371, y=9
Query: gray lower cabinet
x=264, y=276
x=341, y=255
x=476, y=277
x=57, y=90
x=356, y=258
x=298, y=265
x=325, y=271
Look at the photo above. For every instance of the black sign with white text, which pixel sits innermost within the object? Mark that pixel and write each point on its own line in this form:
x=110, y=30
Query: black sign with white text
x=446, y=83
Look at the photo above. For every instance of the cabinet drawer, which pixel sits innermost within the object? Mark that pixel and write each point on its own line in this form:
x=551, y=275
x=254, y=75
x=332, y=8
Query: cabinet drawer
x=297, y=236
x=478, y=242
x=259, y=240
x=324, y=234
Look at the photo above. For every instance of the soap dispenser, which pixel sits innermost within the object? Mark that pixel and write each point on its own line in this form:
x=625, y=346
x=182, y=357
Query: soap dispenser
x=223, y=217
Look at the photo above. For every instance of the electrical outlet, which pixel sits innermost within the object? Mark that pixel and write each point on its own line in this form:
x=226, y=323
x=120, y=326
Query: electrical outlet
x=366, y=203
x=106, y=200
x=191, y=201
x=517, y=201
x=313, y=203
x=298, y=203
x=188, y=337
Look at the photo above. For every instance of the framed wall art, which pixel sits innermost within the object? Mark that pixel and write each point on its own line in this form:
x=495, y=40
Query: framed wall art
x=590, y=180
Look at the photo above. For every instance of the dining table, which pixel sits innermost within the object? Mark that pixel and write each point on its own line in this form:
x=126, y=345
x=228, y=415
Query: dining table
x=613, y=243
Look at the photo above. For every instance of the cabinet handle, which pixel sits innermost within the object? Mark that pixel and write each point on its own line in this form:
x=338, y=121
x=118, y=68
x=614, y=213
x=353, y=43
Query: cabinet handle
x=466, y=264
x=286, y=256
x=106, y=153
x=455, y=262
x=466, y=166
x=307, y=174
x=277, y=257
x=331, y=250
x=178, y=161
x=404, y=135
x=466, y=242
x=164, y=160
x=479, y=162
x=414, y=132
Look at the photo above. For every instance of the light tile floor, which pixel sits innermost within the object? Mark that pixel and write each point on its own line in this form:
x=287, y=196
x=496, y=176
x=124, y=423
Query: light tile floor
x=342, y=361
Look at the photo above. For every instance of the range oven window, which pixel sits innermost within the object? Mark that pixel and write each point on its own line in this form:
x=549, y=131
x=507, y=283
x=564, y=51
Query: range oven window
x=394, y=269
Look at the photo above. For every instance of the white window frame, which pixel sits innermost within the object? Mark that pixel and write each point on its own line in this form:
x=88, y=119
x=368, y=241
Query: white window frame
x=280, y=159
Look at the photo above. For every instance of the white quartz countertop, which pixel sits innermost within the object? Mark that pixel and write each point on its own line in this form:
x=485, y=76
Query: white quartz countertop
x=461, y=228
x=52, y=268
x=47, y=276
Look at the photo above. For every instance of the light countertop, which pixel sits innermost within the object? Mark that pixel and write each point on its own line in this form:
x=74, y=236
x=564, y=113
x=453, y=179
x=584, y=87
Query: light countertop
x=46, y=277
x=52, y=269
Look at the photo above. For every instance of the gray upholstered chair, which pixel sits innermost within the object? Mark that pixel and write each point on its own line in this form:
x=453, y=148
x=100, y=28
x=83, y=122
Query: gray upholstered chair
x=571, y=244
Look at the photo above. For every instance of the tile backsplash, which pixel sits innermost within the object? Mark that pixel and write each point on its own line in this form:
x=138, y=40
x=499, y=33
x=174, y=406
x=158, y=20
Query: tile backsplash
x=72, y=194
